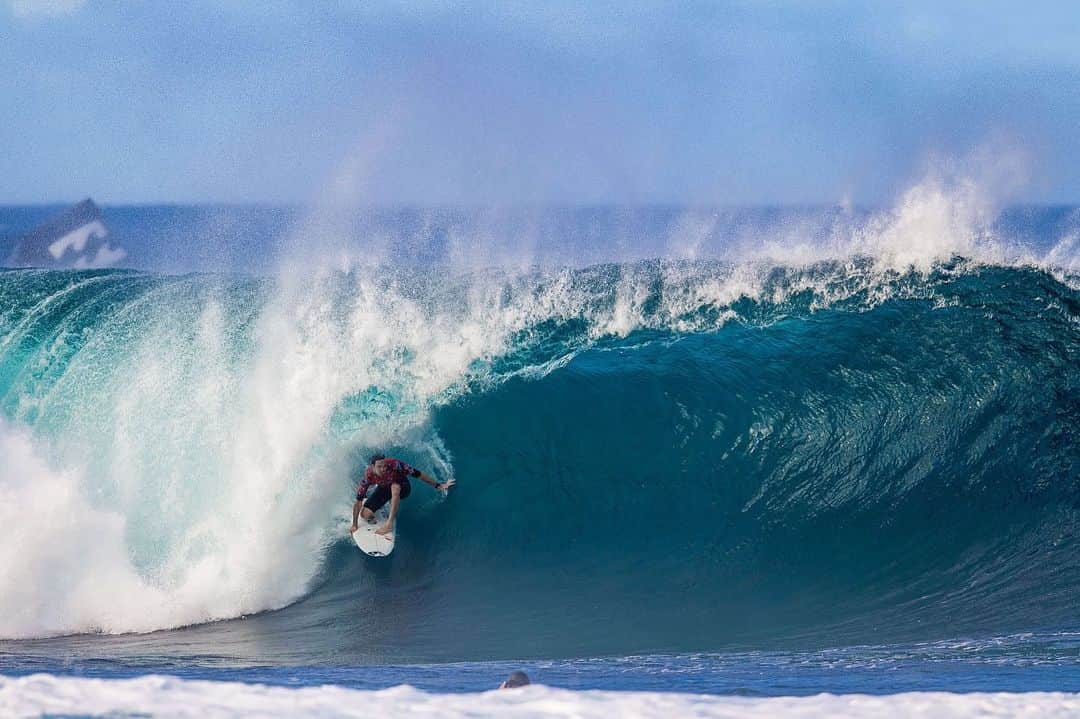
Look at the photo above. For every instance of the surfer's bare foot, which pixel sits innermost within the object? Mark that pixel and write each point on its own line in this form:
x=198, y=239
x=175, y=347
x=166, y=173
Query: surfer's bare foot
x=385, y=529
x=353, y=529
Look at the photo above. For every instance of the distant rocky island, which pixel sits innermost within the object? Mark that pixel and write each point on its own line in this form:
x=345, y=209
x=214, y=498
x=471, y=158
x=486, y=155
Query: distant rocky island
x=76, y=238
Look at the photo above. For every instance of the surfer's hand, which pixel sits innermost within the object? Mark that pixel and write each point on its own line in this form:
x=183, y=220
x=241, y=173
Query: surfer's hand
x=445, y=486
x=353, y=529
x=385, y=529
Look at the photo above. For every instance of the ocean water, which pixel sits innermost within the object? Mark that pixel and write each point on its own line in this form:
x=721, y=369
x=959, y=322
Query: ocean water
x=707, y=461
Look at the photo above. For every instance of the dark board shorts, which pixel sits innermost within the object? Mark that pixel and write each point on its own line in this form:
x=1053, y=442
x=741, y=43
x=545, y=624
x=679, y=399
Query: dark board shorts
x=381, y=495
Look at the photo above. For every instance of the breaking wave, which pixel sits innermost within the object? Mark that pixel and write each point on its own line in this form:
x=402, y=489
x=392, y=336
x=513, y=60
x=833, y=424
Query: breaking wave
x=844, y=439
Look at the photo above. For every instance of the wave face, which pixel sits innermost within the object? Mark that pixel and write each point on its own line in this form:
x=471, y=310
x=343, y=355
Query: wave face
x=651, y=457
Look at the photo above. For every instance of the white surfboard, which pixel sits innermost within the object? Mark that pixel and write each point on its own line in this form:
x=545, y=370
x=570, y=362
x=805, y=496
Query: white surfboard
x=375, y=545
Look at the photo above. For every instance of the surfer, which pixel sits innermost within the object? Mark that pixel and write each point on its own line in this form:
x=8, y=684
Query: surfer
x=515, y=680
x=390, y=478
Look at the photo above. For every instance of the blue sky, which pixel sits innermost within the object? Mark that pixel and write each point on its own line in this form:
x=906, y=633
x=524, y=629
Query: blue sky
x=528, y=103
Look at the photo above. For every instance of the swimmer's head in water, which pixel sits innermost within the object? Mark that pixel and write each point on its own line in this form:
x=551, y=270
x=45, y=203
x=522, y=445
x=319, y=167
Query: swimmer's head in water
x=516, y=679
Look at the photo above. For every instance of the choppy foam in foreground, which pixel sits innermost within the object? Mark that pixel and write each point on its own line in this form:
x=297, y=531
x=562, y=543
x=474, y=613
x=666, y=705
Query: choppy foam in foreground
x=43, y=694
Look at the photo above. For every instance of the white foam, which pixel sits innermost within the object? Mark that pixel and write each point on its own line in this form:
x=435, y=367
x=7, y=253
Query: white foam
x=64, y=562
x=43, y=694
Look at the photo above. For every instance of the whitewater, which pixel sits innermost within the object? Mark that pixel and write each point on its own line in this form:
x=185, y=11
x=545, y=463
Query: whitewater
x=852, y=431
x=162, y=696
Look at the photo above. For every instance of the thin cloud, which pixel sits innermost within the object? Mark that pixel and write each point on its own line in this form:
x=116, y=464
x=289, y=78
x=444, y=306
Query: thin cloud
x=45, y=8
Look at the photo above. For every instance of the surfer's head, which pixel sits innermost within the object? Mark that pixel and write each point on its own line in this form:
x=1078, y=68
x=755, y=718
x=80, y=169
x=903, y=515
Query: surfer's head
x=375, y=458
x=516, y=679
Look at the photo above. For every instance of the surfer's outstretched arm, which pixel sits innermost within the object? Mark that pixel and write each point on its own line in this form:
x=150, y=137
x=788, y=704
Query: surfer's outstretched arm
x=358, y=506
x=428, y=479
x=355, y=515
